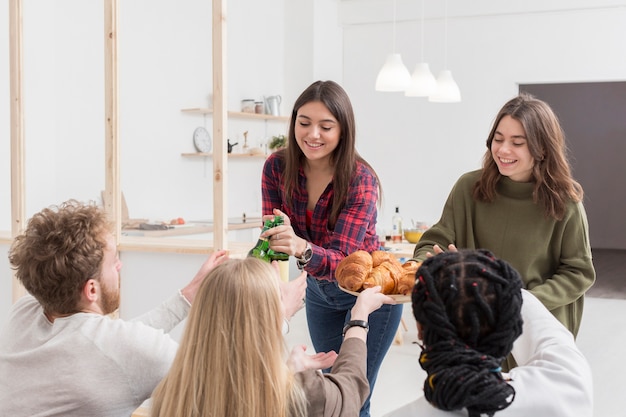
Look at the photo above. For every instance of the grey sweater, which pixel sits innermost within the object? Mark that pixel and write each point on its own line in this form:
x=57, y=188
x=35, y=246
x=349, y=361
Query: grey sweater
x=85, y=364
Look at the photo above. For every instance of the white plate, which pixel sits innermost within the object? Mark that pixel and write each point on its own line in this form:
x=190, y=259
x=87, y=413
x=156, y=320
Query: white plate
x=400, y=298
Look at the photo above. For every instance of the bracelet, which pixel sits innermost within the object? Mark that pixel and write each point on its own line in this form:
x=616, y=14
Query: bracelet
x=356, y=323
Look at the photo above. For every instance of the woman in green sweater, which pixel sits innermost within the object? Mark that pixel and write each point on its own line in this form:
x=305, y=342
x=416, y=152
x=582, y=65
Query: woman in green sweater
x=526, y=208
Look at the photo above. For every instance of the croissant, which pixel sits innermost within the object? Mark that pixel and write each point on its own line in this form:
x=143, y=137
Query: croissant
x=381, y=275
x=397, y=272
x=353, y=269
x=380, y=256
x=407, y=280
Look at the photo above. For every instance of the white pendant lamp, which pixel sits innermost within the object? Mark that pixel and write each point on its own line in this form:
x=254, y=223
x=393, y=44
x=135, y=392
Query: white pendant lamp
x=447, y=90
x=423, y=82
x=394, y=75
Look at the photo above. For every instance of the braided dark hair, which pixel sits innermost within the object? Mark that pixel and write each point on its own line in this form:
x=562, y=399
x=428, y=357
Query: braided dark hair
x=469, y=306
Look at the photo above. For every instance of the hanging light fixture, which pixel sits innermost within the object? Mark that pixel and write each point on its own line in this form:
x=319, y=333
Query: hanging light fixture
x=423, y=82
x=447, y=90
x=394, y=76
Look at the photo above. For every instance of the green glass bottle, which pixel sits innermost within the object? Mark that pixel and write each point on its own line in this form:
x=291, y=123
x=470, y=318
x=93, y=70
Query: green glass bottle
x=278, y=256
x=262, y=248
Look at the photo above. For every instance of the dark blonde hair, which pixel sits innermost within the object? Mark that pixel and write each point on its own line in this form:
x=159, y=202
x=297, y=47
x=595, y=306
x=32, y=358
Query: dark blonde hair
x=554, y=185
x=231, y=359
x=343, y=158
x=60, y=250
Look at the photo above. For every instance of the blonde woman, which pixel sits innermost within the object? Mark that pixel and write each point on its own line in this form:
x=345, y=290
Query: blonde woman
x=232, y=360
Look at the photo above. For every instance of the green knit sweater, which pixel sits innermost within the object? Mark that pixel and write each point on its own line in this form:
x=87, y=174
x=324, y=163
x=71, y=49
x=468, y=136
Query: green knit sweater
x=553, y=257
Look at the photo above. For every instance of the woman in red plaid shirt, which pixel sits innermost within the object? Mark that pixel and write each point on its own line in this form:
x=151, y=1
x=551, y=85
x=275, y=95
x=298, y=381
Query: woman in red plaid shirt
x=328, y=195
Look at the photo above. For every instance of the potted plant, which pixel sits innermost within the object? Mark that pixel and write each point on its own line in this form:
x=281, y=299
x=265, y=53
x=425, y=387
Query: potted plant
x=277, y=142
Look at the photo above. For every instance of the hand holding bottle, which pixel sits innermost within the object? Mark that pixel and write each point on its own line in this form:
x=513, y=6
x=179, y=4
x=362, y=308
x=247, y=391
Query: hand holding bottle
x=283, y=238
x=262, y=250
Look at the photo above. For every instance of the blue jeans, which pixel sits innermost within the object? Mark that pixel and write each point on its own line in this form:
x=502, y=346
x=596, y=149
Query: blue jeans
x=328, y=309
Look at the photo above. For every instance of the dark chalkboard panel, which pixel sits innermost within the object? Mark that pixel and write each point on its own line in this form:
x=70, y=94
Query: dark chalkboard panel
x=593, y=116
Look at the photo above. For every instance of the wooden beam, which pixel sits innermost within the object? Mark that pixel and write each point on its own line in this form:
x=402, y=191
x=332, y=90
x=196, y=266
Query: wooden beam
x=18, y=211
x=112, y=189
x=220, y=129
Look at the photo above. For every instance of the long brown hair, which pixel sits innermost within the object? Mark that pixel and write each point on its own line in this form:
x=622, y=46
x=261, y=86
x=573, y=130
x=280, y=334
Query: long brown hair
x=554, y=185
x=231, y=359
x=343, y=158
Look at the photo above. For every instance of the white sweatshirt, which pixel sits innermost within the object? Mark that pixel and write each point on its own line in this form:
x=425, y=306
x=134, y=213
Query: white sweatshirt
x=552, y=379
x=84, y=364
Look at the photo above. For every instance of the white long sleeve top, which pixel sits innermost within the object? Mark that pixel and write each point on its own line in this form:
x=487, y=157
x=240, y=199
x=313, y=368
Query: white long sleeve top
x=85, y=364
x=553, y=377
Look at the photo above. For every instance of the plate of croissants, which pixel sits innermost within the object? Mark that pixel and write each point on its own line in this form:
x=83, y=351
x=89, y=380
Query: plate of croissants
x=361, y=270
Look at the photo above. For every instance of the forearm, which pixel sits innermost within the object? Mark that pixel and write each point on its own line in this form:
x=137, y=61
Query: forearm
x=357, y=332
x=563, y=288
x=167, y=315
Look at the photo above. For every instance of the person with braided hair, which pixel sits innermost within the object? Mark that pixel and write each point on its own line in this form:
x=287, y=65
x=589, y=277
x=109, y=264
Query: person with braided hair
x=525, y=206
x=471, y=312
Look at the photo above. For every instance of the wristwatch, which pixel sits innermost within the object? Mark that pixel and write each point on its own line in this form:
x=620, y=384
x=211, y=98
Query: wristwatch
x=306, y=256
x=355, y=323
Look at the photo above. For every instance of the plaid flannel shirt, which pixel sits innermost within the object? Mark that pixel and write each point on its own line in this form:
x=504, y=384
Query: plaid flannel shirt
x=355, y=227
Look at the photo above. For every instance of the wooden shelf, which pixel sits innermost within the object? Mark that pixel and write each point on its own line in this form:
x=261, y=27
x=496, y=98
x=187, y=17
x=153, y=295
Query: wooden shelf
x=158, y=244
x=238, y=114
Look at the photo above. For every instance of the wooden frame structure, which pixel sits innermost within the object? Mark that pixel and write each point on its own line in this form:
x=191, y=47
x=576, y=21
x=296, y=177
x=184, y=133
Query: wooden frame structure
x=18, y=212
x=113, y=199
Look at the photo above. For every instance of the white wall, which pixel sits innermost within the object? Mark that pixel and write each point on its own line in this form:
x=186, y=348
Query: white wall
x=420, y=148
x=5, y=123
x=165, y=66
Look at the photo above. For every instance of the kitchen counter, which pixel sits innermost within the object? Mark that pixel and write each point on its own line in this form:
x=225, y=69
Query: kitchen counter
x=401, y=250
x=195, y=227
x=180, y=245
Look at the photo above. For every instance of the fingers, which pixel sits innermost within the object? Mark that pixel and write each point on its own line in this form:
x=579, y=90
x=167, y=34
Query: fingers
x=371, y=299
x=286, y=220
x=219, y=255
x=326, y=360
x=293, y=294
x=302, y=278
x=276, y=268
x=279, y=233
x=437, y=249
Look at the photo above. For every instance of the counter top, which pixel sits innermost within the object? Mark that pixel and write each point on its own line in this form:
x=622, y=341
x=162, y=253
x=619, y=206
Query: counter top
x=401, y=250
x=180, y=245
x=194, y=228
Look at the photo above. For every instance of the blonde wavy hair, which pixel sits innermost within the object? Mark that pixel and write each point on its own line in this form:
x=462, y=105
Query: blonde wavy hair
x=232, y=358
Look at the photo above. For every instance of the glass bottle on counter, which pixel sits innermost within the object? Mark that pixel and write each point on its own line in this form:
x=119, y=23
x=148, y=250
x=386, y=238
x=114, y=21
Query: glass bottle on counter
x=262, y=248
x=396, y=227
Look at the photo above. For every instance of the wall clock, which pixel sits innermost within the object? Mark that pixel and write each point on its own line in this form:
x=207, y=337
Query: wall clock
x=202, y=140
